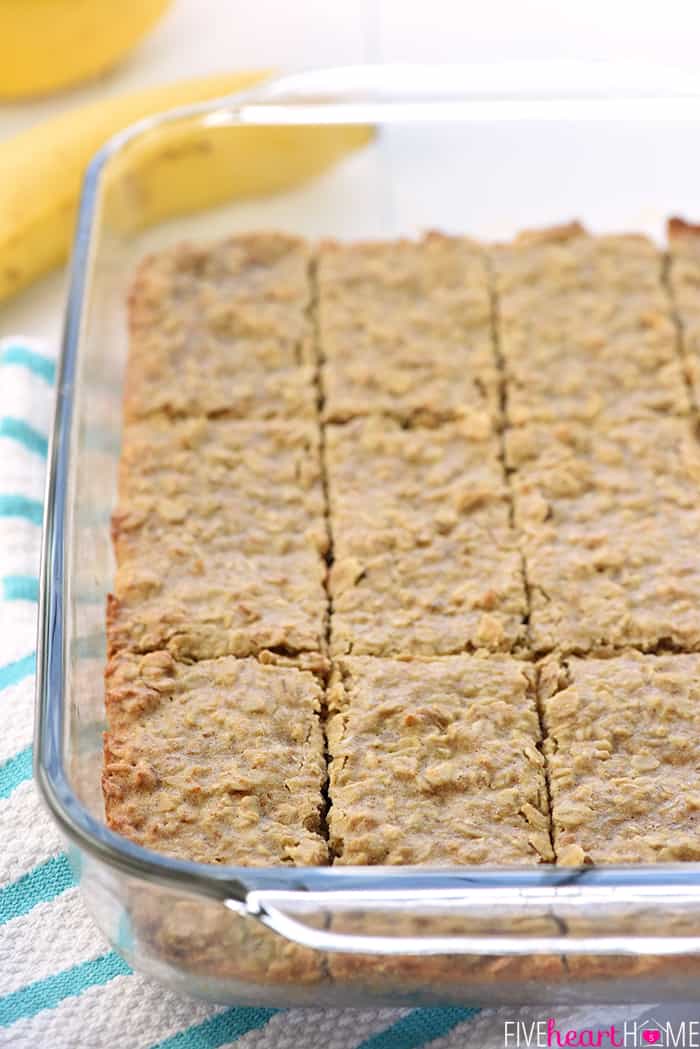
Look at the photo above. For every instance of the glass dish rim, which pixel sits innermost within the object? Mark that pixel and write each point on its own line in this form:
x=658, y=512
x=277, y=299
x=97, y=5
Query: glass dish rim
x=275, y=102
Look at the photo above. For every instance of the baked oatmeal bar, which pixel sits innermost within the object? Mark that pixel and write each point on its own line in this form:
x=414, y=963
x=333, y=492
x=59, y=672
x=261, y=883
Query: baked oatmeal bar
x=405, y=330
x=217, y=762
x=585, y=328
x=609, y=520
x=436, y=762
x=223, y=328
x=684, y=279
x=208, y=944
x=416, y=974
x=425, y=561
x=621, y=747
x=220, y=539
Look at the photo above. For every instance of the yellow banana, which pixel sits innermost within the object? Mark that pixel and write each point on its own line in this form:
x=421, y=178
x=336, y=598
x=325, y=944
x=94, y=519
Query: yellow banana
x=46, y=45
x=180, y=168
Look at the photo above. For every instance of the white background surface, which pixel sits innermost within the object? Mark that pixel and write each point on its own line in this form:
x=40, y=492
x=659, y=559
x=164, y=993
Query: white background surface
x=203, y=36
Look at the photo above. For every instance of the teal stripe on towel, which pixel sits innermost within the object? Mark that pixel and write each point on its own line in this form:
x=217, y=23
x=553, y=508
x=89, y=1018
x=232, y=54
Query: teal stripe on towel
x=34, y=362
x=218, y=1030
x=44, y=883
x=20, y=588
x=48, y=993
x=15, y=771
x=418, y=1028
x=19, y=506
x=13, y=673
x=20, y=431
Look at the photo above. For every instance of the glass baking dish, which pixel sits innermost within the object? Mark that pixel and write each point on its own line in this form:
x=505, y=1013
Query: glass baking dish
x=485, y=151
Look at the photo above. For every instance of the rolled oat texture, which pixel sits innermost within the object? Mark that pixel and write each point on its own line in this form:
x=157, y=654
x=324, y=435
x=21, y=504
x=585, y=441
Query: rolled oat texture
x=436, y=762
x=223, y=328
x=586, y=329
x=220, y=539
x=219, y=761
x=608, y=519
x=406, y=330
x=622, y=754
x=425, y=559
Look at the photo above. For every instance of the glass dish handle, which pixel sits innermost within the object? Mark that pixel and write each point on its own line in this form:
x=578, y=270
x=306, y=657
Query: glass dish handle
x=490, y=922
x=495, y=83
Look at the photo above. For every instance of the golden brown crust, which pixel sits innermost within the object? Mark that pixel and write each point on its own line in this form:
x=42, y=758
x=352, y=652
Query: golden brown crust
x=684, y=281
x=222, y=328
x=425, y=561
x=220, y=539
x=678, y=227
x=621, y=748
x=586, y=330
x=436, y=762
x=608, y=521
x=406, y=330
x=420, y=974
x=218, y=762
x=552, y=234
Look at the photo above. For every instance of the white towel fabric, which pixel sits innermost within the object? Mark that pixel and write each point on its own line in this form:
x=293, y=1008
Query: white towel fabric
x=60, y=984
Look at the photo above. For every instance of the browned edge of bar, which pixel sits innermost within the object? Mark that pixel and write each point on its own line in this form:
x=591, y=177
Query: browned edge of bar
x=667, y=282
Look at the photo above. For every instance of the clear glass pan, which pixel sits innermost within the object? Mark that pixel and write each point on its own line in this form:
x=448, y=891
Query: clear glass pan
x=486, y=151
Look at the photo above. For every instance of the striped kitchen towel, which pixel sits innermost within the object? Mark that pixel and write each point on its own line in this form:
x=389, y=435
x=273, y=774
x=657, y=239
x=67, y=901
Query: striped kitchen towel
x=60, y=984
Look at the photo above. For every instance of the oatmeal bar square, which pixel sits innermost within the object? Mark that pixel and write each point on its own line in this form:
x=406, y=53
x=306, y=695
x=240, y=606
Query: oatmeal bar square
x=218, y=762
x=405, y=330
x=425, y=560
x=436, y=762
x=220, y=539
x=585, y=328
x=609, y=520
x=223, y=329
x=621, y=749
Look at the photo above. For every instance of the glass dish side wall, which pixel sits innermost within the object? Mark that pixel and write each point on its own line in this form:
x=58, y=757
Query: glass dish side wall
x=483, y=177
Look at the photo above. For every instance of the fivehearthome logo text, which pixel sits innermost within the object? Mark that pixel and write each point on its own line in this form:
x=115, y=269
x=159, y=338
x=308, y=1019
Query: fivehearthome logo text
x=630, y=1034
